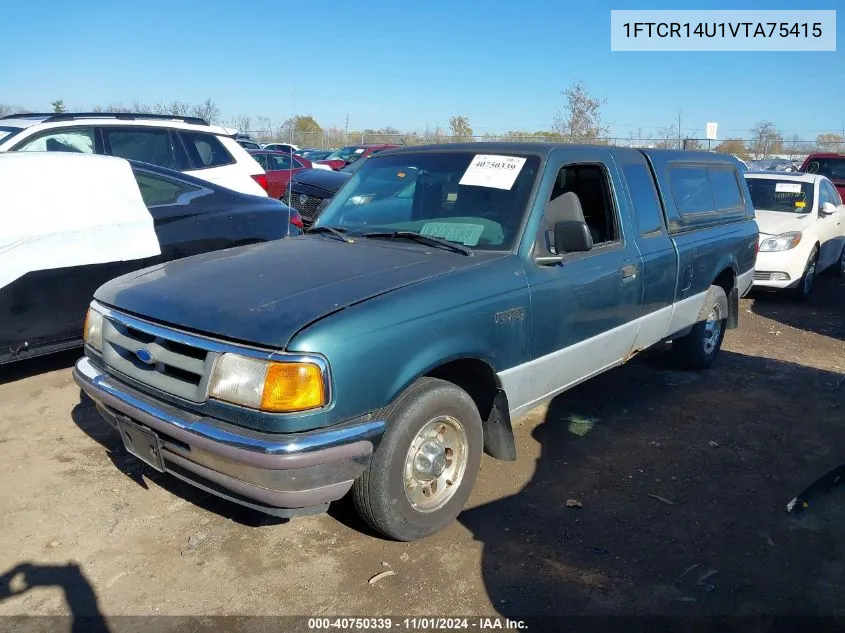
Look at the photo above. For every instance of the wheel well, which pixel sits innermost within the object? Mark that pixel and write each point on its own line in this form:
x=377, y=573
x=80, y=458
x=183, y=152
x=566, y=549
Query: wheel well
x=482, y=384
x=475, y=377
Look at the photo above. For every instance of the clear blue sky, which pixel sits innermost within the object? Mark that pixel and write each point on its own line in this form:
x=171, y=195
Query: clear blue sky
x=407, y=64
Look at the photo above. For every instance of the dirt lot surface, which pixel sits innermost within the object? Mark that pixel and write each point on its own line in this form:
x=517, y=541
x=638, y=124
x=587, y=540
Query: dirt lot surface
x=683, y=480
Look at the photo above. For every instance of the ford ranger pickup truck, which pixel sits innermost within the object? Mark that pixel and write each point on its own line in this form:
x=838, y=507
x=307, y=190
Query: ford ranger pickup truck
x=443, y=293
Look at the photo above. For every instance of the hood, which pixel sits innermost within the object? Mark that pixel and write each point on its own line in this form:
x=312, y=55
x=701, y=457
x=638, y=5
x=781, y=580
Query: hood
x=265, y=293
x=323, y=179
x=777, y=222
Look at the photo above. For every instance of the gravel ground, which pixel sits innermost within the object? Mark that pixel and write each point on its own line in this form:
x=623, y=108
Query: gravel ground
x=681, y=480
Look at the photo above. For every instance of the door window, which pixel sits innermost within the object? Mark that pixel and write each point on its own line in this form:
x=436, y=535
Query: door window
x=77, y=139
x=157, y=190
x=279, y=161
x=148, y=145
x=591, y=185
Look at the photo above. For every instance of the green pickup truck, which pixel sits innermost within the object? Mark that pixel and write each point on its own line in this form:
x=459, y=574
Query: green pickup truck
x=443, y=293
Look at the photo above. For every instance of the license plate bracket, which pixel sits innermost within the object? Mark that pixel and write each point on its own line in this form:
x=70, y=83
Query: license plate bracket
x=141, y=442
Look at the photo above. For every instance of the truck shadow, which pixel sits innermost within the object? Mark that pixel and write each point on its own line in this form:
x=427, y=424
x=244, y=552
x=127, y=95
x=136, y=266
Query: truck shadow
x=79, y=595
x=645, y=472
x=822, y=313
x=86, y=417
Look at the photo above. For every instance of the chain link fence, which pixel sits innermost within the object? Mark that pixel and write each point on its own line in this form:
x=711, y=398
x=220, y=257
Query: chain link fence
x=745, y=148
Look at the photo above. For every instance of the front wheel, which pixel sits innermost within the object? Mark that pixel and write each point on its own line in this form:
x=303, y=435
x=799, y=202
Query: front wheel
x=699, y=348
x=425, y=467
x=805, y=284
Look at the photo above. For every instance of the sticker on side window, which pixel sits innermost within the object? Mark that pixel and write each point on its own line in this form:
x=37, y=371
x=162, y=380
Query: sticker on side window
x=497, y=172
x=788, y=187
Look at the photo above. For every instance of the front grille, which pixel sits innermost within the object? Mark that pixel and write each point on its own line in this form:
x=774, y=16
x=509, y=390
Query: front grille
x=173, y=366
x=760, y=275
x=309, y=207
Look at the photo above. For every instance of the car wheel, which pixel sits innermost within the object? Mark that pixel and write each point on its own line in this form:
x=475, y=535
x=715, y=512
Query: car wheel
x=699, y=348
x=805, y=284
x=425, y=466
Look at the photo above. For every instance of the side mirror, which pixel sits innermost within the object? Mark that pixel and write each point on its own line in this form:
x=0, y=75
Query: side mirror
x=572, y=236
x=827, y=209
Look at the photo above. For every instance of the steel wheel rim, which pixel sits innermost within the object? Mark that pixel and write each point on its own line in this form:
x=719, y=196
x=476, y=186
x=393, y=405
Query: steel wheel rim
x=435, y=464
x=712, y=329
x=808, y=277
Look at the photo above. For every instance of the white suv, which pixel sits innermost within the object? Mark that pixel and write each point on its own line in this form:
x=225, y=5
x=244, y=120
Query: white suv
x=186, y=144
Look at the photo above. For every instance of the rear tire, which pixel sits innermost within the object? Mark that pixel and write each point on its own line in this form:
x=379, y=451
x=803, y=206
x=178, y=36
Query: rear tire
x=698, y=349
x=839, y=268
x=425, y=467
x=805, y=285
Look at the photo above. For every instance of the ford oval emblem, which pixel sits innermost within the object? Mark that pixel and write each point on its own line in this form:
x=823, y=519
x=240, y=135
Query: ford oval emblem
x=144, y=356
x=303, y=198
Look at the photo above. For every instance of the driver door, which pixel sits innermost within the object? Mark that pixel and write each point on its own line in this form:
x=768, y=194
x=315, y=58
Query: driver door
x=829, y=227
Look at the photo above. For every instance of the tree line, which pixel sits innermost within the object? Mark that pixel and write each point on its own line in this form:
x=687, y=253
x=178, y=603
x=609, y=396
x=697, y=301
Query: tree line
x=579, y=121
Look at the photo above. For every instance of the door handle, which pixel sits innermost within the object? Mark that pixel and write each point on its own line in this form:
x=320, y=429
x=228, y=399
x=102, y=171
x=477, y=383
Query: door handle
x=629, y=272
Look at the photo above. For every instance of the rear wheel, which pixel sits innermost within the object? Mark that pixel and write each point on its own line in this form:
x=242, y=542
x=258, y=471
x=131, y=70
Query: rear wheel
x=805, y=284
x=699, y=348
x=425, y=467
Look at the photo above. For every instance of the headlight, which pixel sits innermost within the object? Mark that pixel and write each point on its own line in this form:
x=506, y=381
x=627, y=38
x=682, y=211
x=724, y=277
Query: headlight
x=782, y=242
x=268, y=385
x=92, y=331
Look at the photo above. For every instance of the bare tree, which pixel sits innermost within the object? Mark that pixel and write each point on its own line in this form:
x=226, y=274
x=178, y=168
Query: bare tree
x=766, y=140
x=264, y=129
x=830, y=142
x=580, y=121
x=461, y=129
x=667, y=137
x=795, y=147
x=6, y=109
x=241, y=123
x=207, y=110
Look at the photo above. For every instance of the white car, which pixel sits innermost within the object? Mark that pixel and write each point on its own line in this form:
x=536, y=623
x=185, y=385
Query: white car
x=802, y=229
x=186, y=144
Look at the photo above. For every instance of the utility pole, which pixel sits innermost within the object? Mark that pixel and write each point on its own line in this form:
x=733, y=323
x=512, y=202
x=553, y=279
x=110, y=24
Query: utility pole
x=293, y=113
x=680, y=133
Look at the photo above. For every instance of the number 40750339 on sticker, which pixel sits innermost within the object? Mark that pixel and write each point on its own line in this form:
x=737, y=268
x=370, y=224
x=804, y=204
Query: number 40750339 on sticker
x=498, y=172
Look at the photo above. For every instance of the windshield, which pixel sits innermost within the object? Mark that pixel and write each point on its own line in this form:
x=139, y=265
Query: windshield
x=787, y=196
x=477, y=201
x=7, y=131
x=345, y=153
x=832, y=167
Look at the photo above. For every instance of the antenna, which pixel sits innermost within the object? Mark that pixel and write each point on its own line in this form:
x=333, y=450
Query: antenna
x=346, y=131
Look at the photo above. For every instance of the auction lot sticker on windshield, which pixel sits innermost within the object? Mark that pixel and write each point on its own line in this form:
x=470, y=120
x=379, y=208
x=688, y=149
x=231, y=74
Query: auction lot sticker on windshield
x=788, y=187
x=498, y=172
x=466, y=234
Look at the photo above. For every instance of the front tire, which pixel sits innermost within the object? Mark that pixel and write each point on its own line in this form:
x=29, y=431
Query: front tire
x=425, y=467
x=805, y=284
x=699, y=348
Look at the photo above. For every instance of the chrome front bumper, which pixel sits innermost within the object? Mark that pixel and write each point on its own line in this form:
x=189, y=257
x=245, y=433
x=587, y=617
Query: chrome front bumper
x=280, y=474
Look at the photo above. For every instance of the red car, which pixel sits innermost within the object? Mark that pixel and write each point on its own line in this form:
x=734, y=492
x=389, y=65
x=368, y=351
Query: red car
x=827, y=164
x=345, y=155
x=279, y=168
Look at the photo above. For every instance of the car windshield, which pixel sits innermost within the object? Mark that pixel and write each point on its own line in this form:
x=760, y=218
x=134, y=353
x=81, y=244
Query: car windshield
x=345, y=153
x=832, y=167
x=787, y=196
x=7, y=131
x=477, y=201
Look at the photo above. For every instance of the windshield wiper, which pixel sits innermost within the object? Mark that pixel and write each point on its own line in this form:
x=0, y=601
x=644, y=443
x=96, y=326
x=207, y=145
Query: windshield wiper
x=423, y=239
x=338, y=233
